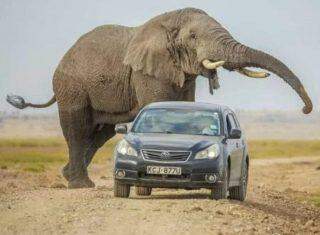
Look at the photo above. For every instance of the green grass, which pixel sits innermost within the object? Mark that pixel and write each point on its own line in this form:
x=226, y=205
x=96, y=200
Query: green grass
x=315, y=199
x=37, y=155
x=35, y=160
x=283, y=148
x=32, y=142
x=34, y=156
x=34, y=168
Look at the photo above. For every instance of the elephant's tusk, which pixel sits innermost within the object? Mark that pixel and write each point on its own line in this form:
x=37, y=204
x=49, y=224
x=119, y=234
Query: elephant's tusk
x=253, y=74
x=212, y=65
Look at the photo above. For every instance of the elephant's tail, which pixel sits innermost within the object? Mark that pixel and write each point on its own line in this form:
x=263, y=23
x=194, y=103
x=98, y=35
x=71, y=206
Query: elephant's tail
x=19, y=102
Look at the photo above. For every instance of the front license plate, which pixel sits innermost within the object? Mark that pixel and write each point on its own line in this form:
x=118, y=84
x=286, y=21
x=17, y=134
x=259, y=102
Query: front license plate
x=163, y=170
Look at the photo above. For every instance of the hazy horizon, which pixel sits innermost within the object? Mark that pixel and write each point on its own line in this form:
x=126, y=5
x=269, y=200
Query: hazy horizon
x=36, y=34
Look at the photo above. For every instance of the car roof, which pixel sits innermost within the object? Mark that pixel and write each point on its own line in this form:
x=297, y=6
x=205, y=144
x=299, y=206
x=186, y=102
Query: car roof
x=188, y=105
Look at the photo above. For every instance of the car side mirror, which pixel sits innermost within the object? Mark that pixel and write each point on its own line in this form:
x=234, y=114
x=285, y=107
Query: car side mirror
x=235, y=133
x=121, y=128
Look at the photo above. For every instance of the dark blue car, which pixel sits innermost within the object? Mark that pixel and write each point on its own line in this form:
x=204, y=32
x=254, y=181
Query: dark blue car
x=182, y=145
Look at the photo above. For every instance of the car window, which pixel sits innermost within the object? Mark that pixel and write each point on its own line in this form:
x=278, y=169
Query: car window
x=178, y=121
x=235, y=120
x=231, y=123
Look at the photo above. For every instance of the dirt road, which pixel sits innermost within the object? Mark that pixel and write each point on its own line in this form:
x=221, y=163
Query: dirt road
x=277, y=203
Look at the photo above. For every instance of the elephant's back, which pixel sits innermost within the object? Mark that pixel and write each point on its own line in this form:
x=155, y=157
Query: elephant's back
x=95, y=63
x=106, y=42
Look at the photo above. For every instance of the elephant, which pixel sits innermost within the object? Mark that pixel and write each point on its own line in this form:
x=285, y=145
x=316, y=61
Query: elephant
x=113, y=71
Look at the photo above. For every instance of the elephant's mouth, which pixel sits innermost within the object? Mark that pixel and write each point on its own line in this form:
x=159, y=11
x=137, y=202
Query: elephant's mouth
x=208, y=64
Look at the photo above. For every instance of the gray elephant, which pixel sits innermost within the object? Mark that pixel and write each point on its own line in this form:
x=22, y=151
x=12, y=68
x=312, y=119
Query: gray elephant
x=110, y=73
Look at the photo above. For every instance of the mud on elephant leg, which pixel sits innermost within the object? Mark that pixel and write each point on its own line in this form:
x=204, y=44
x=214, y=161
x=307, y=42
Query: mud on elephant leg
x=77, y=125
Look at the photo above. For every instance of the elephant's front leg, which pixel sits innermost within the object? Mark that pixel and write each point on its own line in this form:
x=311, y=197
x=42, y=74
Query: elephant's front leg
x=189, y=91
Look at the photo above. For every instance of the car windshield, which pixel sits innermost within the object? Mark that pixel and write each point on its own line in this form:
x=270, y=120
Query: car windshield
x=178, y=121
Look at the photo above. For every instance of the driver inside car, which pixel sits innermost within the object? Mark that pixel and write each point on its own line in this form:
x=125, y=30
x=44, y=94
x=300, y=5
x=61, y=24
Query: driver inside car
x=210, y=126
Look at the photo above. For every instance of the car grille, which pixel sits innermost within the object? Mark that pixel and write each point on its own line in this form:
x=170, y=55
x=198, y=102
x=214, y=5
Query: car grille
x=165, y=155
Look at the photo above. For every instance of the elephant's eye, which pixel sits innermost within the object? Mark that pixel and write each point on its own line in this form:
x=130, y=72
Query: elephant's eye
x=193, y=35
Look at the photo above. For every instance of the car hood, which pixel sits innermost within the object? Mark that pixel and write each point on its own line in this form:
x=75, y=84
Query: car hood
x=171, y=141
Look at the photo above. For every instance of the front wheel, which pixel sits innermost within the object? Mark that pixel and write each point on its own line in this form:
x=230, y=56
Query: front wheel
x=240, y=192
x=221, y=191
x=121, y=190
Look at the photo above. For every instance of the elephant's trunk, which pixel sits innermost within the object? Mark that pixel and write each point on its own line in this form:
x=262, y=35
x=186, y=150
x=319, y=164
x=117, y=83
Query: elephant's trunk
x=246, y=56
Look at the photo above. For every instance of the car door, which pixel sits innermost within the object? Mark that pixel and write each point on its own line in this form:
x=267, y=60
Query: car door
x=230, y=143
x=236, y=155
x=240, y=146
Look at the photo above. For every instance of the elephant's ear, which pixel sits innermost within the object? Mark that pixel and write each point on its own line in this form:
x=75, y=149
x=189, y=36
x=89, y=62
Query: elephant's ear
x=151, y=51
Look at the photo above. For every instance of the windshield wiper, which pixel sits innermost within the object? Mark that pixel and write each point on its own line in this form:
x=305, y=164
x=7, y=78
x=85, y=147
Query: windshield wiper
x=158, y=132
x=206, y=134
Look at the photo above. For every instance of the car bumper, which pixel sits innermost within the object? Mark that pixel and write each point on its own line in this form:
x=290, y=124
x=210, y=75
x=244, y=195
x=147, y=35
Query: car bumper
x=194, y=173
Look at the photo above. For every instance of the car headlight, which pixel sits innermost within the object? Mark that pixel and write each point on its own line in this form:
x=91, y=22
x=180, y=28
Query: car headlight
x=125, y=149
x=211, y=152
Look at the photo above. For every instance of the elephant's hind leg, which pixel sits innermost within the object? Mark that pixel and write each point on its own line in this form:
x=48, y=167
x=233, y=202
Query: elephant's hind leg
x=96, y=140
x=77, y=129
x=99, y=137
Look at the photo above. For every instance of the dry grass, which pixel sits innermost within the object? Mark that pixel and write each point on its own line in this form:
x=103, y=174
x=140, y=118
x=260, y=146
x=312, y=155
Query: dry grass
x=37, y=155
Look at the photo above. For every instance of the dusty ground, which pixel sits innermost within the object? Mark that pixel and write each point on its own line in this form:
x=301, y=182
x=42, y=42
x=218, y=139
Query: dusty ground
x=278, y=203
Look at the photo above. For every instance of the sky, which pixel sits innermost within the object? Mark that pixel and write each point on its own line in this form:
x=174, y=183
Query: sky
x=35, y=34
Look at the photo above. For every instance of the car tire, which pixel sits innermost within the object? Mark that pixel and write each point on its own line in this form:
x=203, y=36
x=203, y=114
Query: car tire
x=143, y=191
x=221, y=191
x=121, y=190
x=240, y=192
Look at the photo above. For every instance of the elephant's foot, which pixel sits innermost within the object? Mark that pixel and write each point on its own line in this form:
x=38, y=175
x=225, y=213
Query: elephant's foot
x=81, y=183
